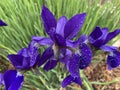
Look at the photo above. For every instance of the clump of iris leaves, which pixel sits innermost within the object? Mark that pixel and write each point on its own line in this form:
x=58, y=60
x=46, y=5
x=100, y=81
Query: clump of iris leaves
x=63, y=49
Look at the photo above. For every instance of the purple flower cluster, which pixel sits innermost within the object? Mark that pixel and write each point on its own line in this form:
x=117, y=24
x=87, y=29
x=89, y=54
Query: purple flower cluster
x=61, y=48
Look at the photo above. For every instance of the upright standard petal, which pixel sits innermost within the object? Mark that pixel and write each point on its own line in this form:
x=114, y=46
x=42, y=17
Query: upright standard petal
x=73, y=66
x=13, y=80
x=74, y=25
x=60, y=25
x=86, y=56
x=42, y=40
x=2, y=23
x=111, y=35
x=48, y=19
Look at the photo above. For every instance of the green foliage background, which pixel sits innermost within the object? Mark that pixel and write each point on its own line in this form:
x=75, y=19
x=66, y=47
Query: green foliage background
x=23, y=19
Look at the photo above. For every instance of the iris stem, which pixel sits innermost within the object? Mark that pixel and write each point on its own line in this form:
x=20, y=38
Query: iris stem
x=86, y=83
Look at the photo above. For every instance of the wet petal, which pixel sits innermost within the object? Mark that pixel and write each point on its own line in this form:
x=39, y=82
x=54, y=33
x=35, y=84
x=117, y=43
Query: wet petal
x=86, y=56
x=48, y=19
x=12, y=80
x=73, y=66
x=67, y=81
x=47, y=54
x=98, y=36
x=33, y=53
x=2, y=23
x=108, y=48
x=111, y=35
x=60, y=25
x=50, y=65
x=42, y=40
x=74, y=25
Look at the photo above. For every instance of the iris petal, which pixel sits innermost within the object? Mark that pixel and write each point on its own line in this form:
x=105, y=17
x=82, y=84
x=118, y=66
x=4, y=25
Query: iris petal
x=80, y=40
x=86, y=56
x=98, y=36
x=42, y=40
x=60, y=25
x=111, y=35
x=48, y=19
x=2, y=23
x=12, y=80
x=108, y=48
x=74, y=25
x=50, y=65
x=17, y=60
x=68, y=80
x=73, y=66
x=47, y=54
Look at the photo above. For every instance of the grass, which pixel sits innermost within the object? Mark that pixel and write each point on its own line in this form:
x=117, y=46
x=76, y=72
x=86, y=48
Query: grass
x=23, y=19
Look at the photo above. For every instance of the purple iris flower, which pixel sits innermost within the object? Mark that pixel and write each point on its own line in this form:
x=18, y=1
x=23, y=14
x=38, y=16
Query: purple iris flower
x=13, y=80
x=2, y=23
x=26, y=58
x=59, y=34
x=100, y=37
x=113, y=60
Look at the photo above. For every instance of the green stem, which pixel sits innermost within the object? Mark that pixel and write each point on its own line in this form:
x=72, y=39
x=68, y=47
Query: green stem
x=43, y=81
x=86, y=83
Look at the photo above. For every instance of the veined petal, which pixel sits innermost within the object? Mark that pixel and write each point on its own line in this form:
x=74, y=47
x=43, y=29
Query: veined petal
x=108, y=48
x=74, y=25
x=2, y=23
x=86, y=56
x=60, y=25
x=12, y=80
x=48, y=19
x=33, y=54
x=111, y=35
x=42, y=40
x=50, y=64
x=47, y=54
x=98, y=36
x=73, y=66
